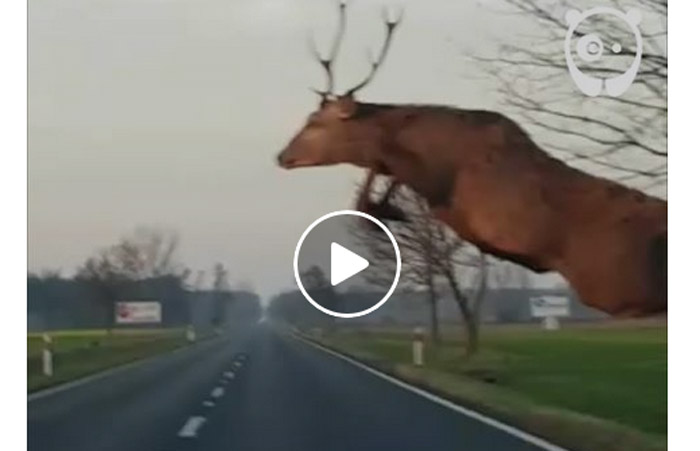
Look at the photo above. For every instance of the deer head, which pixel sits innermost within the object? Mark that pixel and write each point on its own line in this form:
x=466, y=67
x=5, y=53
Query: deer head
x=337, y=132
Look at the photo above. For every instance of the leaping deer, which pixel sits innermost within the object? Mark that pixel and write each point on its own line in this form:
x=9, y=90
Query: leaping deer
x=484, y=177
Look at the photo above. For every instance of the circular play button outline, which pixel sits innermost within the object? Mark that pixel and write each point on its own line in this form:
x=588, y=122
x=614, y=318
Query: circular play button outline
x=397, y=254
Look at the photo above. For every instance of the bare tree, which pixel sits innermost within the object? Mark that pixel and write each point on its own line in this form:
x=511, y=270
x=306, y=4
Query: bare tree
x=620, y=137
x=146, y=253
x=468, y=301
x=222, y=294
x=431, y=254
x=102, y=274
x=418, y=239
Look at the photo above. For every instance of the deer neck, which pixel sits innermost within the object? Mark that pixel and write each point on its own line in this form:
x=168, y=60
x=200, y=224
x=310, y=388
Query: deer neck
x=367, y=136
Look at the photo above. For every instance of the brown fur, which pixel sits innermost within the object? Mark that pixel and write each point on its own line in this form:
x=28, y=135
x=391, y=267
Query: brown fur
x=486, y=179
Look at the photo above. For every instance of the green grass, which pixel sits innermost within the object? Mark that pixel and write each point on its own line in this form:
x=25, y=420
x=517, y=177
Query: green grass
x=80, y=353
x=589, y=388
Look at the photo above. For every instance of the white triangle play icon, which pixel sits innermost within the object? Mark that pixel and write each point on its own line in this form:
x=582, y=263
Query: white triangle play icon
x=345, y=264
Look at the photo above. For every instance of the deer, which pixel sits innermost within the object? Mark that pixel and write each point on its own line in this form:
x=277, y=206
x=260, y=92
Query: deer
x=485, y=178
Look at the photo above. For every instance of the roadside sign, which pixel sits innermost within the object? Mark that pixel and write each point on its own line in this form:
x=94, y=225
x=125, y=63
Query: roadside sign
x=549, y=306
x=138, y=312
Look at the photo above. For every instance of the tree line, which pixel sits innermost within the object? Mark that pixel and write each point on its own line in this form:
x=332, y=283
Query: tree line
x=142, y=265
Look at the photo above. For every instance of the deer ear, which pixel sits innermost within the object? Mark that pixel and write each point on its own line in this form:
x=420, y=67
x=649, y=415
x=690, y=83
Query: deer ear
x=347, y=107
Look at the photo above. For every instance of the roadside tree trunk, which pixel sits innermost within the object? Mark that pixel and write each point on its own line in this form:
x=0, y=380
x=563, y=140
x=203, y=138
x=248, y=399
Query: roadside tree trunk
x=434, y=321
x=469, y=306
x=471, y=334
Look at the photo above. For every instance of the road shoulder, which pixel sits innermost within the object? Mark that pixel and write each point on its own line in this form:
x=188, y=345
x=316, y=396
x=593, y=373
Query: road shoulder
x=547, y=427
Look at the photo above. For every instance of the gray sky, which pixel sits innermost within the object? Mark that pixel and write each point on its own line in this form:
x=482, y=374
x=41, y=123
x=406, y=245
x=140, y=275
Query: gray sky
x=170, y=112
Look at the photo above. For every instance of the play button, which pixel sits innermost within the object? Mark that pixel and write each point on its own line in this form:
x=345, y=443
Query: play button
x=347, y=264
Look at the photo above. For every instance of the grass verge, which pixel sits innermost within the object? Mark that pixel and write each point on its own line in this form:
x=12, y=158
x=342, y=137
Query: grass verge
x=601, y=389
x=81, y=353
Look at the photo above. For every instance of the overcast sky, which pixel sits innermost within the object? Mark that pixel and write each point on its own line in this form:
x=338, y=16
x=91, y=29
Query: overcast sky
x=170, y=112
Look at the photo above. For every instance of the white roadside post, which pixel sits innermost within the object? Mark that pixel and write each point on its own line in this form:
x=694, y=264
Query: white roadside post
x=550, y=323
x=47, y=357
x=418, y=346
x=549, y=309
x=190, y=334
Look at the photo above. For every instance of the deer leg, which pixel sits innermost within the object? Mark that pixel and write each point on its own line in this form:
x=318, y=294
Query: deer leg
x=364, y=200
x=389, y=192
x=382, y=209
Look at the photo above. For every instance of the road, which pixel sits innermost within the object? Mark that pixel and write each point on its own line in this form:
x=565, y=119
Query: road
x=255, y=390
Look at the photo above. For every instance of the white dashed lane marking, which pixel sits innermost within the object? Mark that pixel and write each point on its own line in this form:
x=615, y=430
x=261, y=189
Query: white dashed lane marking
x=193, y=424
x=189, y=430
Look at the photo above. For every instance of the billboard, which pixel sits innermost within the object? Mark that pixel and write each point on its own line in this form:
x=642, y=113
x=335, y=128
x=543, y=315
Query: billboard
x=138, y=312
x=549, y=306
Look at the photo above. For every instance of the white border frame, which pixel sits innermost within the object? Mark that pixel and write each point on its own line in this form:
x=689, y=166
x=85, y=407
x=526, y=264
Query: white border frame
x=684, y=224
x=13, y=227
x=397, y=273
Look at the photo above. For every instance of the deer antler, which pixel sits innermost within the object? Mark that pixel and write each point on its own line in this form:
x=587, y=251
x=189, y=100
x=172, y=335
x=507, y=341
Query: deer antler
x=327, y=63
x=375, y=64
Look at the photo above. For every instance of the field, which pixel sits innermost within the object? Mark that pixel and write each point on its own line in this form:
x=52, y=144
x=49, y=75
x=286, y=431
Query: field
x=589, y=388
x=82, y=352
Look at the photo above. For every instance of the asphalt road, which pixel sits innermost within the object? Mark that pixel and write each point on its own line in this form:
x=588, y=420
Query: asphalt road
x=256, y=390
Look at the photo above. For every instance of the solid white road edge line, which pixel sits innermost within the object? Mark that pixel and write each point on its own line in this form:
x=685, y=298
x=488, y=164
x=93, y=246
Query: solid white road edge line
x=191, y=427
x=110, y=371
x=522, y=435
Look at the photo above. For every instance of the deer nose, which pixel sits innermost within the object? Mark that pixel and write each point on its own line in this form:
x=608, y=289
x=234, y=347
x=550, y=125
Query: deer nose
x=283, y=158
